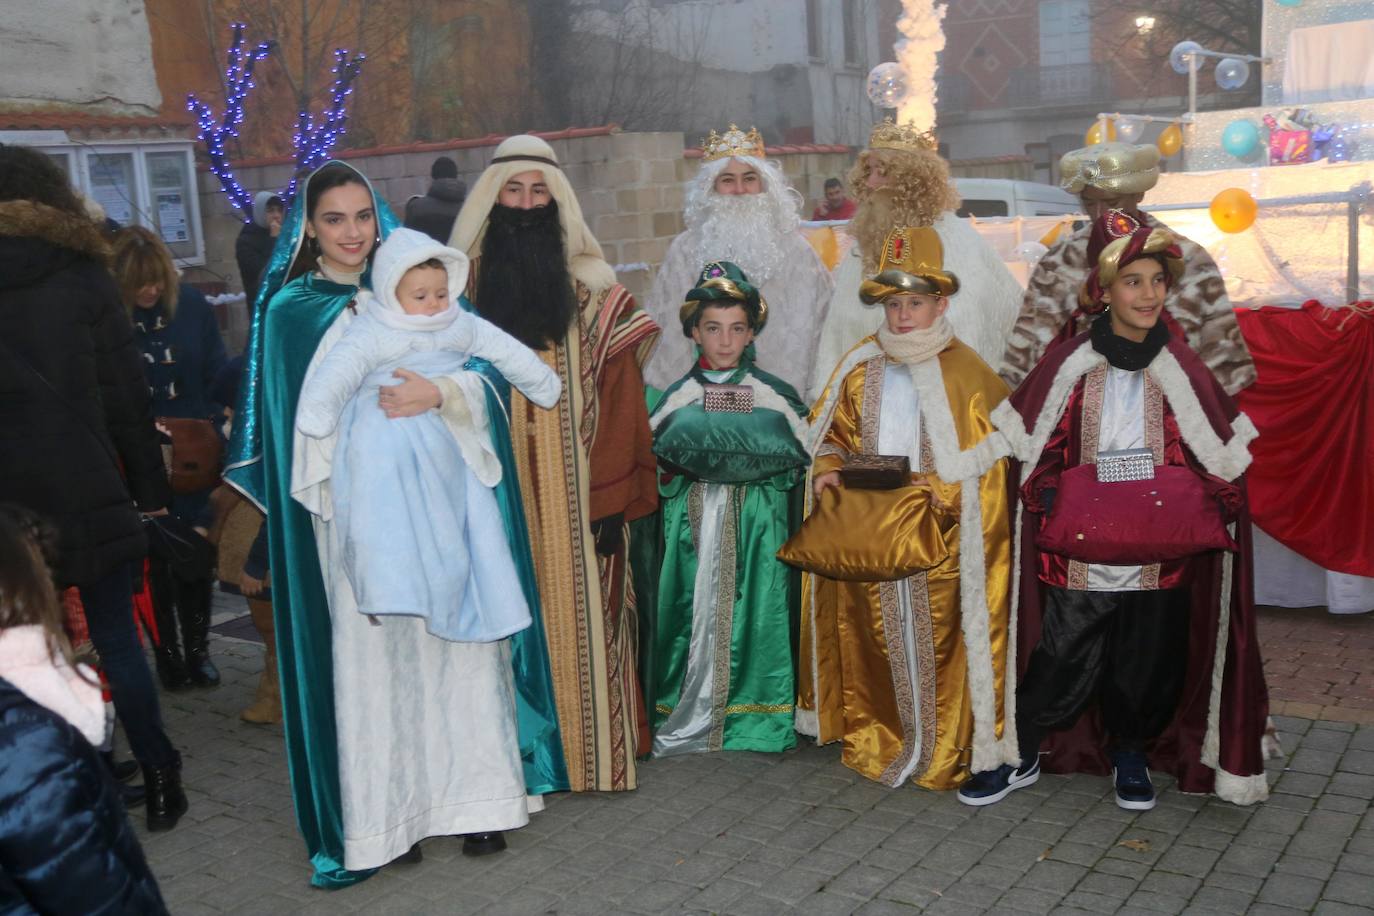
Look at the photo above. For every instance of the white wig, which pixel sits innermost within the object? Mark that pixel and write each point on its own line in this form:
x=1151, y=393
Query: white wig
x=745, y=228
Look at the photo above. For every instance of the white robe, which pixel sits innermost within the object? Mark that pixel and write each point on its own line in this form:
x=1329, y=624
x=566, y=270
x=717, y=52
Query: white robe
x=982, y=312
x=428, y=742
x=797, y=300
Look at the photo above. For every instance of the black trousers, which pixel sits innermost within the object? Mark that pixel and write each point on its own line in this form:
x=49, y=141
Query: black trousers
x=1127, y=650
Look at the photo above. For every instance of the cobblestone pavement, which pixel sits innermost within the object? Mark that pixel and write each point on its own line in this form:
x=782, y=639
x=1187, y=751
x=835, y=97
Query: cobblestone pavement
x=746, y=833
x=1320, y=665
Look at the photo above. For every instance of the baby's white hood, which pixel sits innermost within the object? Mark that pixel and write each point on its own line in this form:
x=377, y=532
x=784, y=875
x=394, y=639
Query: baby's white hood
x=402, y=250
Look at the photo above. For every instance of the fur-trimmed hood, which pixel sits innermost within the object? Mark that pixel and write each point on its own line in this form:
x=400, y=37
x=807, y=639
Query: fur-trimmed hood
x=36, y=240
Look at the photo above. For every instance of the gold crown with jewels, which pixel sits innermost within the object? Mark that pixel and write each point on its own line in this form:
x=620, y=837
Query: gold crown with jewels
x=891, y=135
x=734, y=142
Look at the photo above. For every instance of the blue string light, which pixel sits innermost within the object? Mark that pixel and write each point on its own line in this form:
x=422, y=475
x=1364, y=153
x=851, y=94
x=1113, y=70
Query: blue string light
x=315, y=139
x=211, y=131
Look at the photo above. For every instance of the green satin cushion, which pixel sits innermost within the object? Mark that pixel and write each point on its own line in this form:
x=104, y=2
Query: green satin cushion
x=722, y=447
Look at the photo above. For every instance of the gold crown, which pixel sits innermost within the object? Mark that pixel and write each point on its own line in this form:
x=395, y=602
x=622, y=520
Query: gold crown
x=734, y=142
x=890, y=135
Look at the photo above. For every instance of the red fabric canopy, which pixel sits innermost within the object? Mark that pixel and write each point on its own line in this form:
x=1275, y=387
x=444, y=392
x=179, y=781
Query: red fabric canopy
x=1312, y=481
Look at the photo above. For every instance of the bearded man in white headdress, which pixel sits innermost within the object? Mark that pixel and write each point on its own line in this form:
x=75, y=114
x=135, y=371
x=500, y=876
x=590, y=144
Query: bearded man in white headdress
x=900, y=180
x=741, y=209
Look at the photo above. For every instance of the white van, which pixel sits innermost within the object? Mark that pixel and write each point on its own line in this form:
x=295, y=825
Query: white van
x=988, y=197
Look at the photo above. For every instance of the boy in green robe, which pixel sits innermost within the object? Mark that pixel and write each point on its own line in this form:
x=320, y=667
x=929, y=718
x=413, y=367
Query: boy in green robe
x=730, y=440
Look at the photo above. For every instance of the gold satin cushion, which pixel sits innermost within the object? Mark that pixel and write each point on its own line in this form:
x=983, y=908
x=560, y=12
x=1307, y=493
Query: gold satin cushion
x=868, y=535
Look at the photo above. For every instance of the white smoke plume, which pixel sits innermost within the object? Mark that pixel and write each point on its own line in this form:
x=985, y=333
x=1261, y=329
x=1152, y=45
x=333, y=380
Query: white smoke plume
x=922, y=40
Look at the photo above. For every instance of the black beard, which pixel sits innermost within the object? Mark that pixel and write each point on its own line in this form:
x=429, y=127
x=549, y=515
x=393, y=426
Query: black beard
x=523, y=286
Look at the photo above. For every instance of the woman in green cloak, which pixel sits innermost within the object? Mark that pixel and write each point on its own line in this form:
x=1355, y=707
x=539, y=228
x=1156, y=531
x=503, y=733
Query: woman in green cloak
x=391, y=733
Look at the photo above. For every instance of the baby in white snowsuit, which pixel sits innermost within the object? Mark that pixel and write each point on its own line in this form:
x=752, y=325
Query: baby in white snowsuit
x=423, y=532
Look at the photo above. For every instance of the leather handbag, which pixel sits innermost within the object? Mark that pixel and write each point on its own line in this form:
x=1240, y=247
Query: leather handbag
x=1169, y=516
x=197, y=454
x=876, y=472
x=868, y=535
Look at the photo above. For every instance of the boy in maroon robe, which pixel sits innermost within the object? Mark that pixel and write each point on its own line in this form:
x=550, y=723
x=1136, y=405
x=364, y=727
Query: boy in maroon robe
x=1136, y=635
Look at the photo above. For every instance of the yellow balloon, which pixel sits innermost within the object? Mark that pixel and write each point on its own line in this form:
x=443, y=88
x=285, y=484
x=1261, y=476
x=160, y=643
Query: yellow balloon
x=1170, y=140
x=1094, y=134
x=1234, y=210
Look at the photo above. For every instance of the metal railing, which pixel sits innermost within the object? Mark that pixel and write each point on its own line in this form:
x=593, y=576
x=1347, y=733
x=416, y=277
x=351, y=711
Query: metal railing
x=1069, y=84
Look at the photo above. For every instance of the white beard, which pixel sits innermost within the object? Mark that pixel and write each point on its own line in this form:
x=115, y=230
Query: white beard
x=741, y=228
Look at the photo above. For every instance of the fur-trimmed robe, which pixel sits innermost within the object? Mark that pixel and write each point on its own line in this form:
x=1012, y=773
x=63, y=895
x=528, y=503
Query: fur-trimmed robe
x=1214, y=742
x=912, y=675
x=1198, y=303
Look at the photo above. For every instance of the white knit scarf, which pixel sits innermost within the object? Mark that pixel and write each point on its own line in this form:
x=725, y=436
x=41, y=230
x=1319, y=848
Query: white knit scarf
x=916, y=346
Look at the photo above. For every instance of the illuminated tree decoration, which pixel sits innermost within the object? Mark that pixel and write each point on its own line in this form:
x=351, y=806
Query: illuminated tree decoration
x=314, y=139
x=212, y=131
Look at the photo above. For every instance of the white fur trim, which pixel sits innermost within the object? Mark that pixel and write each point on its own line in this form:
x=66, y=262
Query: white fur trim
x=824, y=411
x=951, y=463
x=1227, y=460
x=691, y=392
x=806, y=722
x=1211, y=739
x=1241, y=790
x=1012, y=427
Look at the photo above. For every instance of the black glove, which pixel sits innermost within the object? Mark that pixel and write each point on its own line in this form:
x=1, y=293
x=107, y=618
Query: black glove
x=609, y=533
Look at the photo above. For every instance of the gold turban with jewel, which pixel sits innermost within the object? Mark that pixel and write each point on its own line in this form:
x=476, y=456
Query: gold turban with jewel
x=1119, y=168
x=912, y=261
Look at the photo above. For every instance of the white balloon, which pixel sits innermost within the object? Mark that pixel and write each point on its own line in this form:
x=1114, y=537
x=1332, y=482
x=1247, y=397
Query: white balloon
x=1232, y=73
x=1128, y=130
x=886, y=85
x=1030, y=252
x=1179, y=52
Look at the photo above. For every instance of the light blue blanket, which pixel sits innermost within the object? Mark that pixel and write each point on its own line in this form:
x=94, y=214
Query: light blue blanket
x=423, y=536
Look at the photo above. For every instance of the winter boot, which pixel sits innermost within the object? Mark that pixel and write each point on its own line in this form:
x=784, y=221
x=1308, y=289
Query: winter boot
x=171, y=669
x=266, y=706
x=166, y=801
x=193, y=606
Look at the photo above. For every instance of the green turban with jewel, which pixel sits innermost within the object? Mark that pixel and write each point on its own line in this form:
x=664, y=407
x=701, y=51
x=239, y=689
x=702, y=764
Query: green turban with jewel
x=723, y=284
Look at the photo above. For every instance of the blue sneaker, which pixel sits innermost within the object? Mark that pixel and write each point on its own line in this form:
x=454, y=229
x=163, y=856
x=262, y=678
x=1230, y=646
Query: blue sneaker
x=991, y=786
x=1131, y=773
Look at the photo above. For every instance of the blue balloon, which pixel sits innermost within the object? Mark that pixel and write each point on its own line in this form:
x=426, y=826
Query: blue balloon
x=1240, y=138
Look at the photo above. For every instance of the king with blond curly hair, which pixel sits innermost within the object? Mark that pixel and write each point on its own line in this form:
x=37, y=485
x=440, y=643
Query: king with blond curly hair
x=901, y=180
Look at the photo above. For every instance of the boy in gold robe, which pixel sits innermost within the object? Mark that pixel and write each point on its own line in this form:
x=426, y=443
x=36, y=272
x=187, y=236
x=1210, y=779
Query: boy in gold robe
x=909, y=669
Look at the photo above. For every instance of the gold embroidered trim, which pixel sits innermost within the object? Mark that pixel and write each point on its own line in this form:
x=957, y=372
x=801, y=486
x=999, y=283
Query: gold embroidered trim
x=924, y=631
x=901, y=677
x=1154, y=418
x=695, y=494
x=1149, y=577
x=872, y=404
x=663, y=709
x=725, y=618
x=736, y=709
x=1094, y=390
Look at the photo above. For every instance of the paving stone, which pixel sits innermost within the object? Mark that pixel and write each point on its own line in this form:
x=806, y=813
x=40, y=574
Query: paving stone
x=828, y=904
x=1117, y=886
x=791, y=885
x=886, y=908
x=972, y=892
x=1188, y=860
x=1291, y=890
x=952, y=857
x=1332, y=908
x=1089, y=902
x=1222, y=900
x=1255, y=861
x=861, y=881
x=1027, y=900
x=756, y=905
x=1320, y=869
x=1053, y=876
x=1077, y=853
x=1158, y=903
x=1358, y=761
x=1348, y=887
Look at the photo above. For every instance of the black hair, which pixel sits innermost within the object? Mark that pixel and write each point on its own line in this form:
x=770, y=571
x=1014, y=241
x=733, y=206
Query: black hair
x=326, y=178
x=27, y=174
x=28, y=594
x=443, y=167
x=833, y=183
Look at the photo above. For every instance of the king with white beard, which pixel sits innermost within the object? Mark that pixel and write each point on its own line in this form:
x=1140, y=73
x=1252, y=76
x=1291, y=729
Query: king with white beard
x=740, y=208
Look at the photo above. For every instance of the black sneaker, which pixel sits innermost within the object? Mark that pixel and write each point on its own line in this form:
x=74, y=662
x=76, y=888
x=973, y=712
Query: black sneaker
x=991, y=786
x=1131, y=773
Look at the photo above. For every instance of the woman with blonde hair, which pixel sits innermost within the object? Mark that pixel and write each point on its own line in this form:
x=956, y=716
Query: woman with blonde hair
x=176, y=331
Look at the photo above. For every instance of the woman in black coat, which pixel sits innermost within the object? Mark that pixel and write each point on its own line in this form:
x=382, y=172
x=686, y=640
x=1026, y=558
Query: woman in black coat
x=74, y=409
x=179, y=338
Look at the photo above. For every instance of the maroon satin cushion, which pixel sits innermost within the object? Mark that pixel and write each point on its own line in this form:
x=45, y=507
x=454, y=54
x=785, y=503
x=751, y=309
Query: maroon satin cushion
x=1134, y=522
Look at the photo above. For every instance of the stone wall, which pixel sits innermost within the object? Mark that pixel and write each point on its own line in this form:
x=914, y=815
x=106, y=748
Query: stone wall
x=630, y=186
